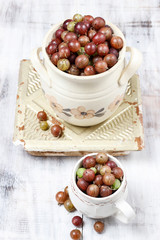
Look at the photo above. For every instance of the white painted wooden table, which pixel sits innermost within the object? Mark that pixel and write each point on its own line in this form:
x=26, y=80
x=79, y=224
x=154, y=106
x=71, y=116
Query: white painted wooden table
x=28, y=209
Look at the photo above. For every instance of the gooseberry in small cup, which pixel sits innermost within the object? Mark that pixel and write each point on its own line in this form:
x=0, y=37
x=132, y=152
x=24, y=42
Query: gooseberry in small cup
x=96, y=199
x=105, y=169
x=98, y=180
x=101, y=158
x=80, y=172
x=111, y=164
x=89, y=175
x=108, y=179
x=93, y=190
x=98, y=167
x=82, y=184
x=89, y=162
x=100, y=183
x=116, y=184
x=105, y=191
x=118, y=172
x=94, y=170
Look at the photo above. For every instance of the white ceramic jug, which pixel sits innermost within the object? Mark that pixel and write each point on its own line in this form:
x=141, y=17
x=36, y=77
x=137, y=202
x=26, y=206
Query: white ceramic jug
x=92, y=207
x=85, y=100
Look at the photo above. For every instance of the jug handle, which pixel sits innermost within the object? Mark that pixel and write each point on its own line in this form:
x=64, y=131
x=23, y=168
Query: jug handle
x=38, y=65
x=125, y=212
x=134, y=63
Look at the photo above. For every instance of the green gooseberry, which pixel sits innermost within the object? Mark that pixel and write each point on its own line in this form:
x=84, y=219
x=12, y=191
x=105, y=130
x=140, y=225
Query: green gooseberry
x=80, y=172
x=70, y=26
x=77, y=17
x=94, y=169
x=116, y=184
x=63, y=64
x=81, y=51
x=44, y=125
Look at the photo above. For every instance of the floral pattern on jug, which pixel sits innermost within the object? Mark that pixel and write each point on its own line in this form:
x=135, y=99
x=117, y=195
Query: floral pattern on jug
x=80, y=112
x=117, y=101
x=53, y=102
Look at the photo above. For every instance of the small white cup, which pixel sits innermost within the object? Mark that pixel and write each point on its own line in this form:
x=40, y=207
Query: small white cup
x=92, y=207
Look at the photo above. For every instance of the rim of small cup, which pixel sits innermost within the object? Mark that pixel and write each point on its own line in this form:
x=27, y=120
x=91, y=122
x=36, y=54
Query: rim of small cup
x=50, y=34
x=100, y=199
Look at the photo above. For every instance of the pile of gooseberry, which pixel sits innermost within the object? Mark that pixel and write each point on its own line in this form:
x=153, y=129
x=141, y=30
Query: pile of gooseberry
x=62, y=197
x=56, y=129
x=84, y=46
x=99, y=176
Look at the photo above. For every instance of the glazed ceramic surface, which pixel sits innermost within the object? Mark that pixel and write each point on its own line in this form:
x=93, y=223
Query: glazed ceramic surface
x=114, y=204
x=85, y=100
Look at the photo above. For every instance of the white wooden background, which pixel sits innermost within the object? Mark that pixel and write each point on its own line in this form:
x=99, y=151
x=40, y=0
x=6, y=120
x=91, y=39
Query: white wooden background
x=28, y=209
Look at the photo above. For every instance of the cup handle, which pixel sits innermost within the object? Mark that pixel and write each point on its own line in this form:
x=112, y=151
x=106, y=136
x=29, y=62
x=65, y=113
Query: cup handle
x=38, y=65
x=134, y=63
x=125, y=212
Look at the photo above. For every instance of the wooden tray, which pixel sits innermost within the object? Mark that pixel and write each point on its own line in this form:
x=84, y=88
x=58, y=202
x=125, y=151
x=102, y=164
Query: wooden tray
x=121, y=133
